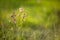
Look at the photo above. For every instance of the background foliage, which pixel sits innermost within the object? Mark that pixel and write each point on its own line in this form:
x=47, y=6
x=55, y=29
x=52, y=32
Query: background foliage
x=42, y=21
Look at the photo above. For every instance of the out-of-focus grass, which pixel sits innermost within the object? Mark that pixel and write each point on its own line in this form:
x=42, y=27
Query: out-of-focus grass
x=39, y=22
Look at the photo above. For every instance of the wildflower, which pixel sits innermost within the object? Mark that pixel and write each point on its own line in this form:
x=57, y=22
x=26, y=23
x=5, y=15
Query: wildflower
x=13, y=15
x=14, y=20
x=21, y=9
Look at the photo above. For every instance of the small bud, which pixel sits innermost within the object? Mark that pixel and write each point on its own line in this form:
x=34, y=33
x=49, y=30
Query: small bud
x=11, y=16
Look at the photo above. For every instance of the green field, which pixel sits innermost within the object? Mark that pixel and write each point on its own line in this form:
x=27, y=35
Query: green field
x=39, y=20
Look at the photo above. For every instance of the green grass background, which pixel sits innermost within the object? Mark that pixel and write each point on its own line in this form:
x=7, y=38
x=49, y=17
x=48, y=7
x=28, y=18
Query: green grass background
x=42, y=20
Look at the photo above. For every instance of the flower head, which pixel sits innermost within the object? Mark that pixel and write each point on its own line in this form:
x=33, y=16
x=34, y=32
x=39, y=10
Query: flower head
x=21, y=9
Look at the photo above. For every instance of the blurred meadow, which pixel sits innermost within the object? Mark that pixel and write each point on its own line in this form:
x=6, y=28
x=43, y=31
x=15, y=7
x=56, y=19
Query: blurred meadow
x=29, y=19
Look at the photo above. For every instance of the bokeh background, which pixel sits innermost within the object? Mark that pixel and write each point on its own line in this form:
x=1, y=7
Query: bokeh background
x=41, y=21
